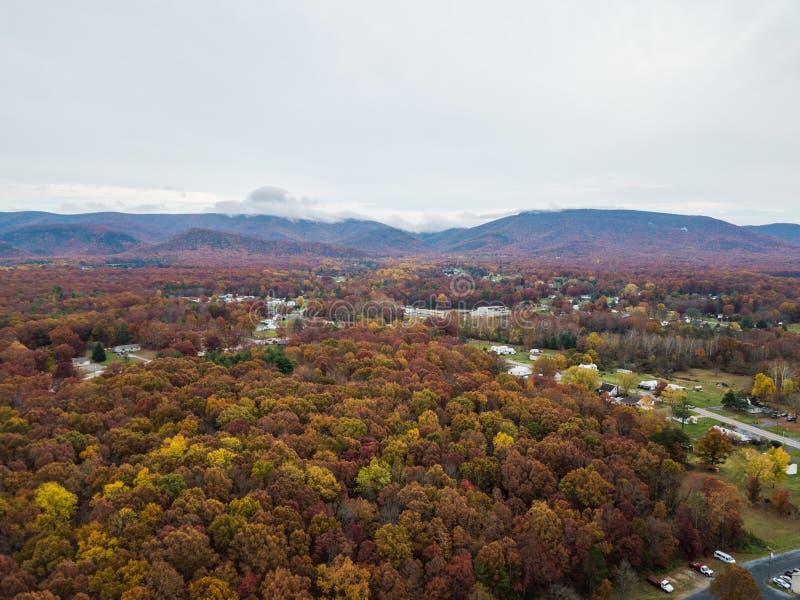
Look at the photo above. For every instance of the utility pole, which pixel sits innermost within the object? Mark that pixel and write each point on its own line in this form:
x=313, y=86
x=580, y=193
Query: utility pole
x=769, y=569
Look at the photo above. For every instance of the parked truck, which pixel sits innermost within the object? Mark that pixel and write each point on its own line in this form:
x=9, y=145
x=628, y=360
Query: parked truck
x=662, y=584
x=701, y=568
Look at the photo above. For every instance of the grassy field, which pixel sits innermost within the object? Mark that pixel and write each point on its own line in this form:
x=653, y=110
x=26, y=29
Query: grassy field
x=710, y=395
x=110, y=358
x=794, y=327
x=778, y=533
x=522, y=355
x=263, y=335
x=781, y=534
x=739, y=416
x=695, y=431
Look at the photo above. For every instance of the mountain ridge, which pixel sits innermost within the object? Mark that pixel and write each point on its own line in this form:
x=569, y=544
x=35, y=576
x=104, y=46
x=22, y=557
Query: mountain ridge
x=209, y=244
x=572, y=234
x=789, y=232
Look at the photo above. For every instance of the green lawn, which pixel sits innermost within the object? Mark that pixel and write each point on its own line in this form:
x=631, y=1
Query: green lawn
x=110, y=358
x=739, y=416
x=782, y=430
x=263, y=335
x=779, y=533
x=695, y=431
x=794, y=327
x=522, y=355
x=711, y=395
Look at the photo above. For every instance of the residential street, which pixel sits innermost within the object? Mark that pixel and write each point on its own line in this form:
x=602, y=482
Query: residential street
x=760, y=568
x=748, y=428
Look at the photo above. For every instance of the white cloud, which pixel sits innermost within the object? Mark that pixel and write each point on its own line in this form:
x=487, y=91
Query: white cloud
x=82, y=198
x=429, y=114
x=269, y=200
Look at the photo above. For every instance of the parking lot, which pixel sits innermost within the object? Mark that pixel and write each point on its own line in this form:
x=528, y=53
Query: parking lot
x=762, y=571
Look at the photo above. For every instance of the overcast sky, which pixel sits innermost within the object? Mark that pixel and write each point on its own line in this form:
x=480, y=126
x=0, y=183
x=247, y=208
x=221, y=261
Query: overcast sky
x=421, y=114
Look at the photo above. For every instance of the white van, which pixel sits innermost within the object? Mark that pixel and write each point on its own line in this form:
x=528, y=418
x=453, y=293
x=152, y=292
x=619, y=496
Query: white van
x=724, y=557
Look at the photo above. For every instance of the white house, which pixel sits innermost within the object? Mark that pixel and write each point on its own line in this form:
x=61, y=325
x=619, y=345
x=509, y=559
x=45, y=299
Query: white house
x=649, y=384
x=502, y=350
x=736, y=435
x=589, y=366
x=126, y=348
x=520, y=371
x=675, y=386
x=535, y=353
x=608, y=388
x=490, y=311
x=267, y=324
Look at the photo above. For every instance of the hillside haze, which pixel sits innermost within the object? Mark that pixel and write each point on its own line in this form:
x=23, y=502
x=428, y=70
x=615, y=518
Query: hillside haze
x=578, y=235
x=789, y=232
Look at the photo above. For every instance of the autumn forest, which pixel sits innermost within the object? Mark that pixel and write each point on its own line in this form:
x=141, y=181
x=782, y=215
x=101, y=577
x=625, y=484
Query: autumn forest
x=340, y=429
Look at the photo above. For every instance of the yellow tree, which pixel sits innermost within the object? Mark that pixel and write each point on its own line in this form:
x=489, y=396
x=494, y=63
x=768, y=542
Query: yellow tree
x=759, y=465
x=343, y=579
x=763, y=386
x=780, y=460
x=627, y=382
x=547, y=366
x=58, y=506
x=588, y=378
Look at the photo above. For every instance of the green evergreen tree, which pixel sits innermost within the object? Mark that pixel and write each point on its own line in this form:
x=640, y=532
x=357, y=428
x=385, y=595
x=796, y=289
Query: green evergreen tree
x=99, y=353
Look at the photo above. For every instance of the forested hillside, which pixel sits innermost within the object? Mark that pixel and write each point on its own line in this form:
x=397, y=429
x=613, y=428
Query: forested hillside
x=363, y=453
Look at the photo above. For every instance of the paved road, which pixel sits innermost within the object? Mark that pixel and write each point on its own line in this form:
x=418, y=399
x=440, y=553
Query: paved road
x=749, y=428
x=762, y=571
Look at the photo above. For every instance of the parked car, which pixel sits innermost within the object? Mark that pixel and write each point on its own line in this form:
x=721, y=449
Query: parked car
x=662, y=584
x=701, y=568
x=791, y=418
x=724, y=557
x=781, y=582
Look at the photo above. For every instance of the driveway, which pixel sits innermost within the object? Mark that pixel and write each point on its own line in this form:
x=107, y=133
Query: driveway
x=142, y=358
x=760, y=568
x=792, y=443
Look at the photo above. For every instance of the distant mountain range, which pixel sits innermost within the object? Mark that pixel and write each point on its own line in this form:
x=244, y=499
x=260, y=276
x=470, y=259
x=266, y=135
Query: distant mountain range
x=581, y=235
x=785, y=231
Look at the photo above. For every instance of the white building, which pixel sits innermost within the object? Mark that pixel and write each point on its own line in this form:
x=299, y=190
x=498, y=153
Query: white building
x=588, y=366
x=266, y=325
x=502, y=350
x=126, y=348
x=736, y=435
x=490, y=311
x=675, y=386
x=520, y=371
x=649, y=384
